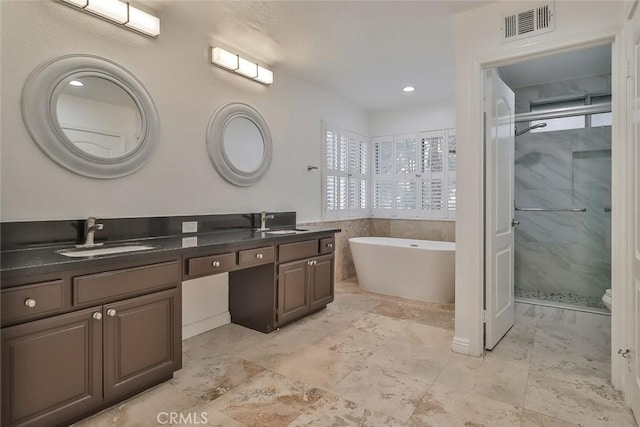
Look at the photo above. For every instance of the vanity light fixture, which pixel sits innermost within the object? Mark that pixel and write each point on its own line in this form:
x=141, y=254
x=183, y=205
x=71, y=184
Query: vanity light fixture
x=122, y=13
x=76, y=83
x=408, y=89
x=231, y=61
x=114, y=10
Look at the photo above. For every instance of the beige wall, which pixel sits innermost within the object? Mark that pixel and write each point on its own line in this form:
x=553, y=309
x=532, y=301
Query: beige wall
x=179, y=179
x=408, y=229
x=478, y=44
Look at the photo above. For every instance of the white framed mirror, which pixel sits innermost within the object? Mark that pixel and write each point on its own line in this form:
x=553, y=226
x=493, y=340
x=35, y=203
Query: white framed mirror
x=239, y=144
x=91, y=116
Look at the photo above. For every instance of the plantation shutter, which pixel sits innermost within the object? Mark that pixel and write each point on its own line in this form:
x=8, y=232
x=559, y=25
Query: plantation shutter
x=406, y=175
x=382, y=179
x=433, y=173
x=346, y=174
x=451, y=173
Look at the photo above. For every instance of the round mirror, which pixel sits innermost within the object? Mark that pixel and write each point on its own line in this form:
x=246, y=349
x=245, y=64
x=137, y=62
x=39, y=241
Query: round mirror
x=90, y=116
x=239, y=144
x=243, y=144
x=98, y=117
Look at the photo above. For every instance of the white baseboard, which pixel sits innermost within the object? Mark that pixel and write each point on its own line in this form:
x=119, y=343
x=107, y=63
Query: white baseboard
x=460, y=345
x=205, y=325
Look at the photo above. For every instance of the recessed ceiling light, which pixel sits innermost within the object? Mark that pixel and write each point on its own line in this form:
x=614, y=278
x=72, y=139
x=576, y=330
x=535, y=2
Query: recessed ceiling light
x=76, y=83
x=409, y=89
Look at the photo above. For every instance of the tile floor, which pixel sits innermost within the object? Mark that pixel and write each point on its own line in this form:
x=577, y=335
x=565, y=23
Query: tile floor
x=371, y=360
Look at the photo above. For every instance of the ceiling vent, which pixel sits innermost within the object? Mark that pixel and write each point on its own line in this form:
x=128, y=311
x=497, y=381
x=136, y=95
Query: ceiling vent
x=528, y=23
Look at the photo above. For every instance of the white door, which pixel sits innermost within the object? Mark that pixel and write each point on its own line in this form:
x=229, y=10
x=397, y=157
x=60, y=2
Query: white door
x=499, y=208
x=633, y=299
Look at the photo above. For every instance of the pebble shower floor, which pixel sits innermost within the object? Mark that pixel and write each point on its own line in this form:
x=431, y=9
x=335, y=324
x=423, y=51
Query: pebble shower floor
x=579, y=300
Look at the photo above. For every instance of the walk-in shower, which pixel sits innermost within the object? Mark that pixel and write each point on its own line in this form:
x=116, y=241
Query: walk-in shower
x=563, y=201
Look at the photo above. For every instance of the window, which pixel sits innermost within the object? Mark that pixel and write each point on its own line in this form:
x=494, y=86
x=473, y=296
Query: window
x=414, y=175
x=571, y=122
x=411, y=175
x=346, y=174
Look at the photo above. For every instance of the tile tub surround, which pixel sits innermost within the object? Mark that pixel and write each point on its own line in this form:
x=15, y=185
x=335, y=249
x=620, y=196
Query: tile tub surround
x=350, y=228
x=384, y=361
x=442, y=231
x=382, y=227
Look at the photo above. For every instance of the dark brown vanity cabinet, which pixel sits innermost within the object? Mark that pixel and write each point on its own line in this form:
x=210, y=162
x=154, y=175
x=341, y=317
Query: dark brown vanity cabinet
x=142, y=341
x=59, y=368
x=306, y=285
x=52, y=369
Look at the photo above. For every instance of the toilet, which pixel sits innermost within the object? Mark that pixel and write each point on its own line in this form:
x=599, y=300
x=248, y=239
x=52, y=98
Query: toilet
x=606, y=299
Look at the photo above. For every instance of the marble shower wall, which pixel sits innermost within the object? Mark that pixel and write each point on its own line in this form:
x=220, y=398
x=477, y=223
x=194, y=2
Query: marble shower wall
x=564, y=252
x=408, y=229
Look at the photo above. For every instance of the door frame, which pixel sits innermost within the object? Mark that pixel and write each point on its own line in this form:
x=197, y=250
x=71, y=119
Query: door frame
x=620, y=176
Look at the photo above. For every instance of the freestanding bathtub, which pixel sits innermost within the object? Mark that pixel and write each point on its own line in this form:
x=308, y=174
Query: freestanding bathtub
x=416, y=269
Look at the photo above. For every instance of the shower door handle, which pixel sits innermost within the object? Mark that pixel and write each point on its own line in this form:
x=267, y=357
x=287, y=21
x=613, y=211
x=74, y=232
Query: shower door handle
x=514, y=222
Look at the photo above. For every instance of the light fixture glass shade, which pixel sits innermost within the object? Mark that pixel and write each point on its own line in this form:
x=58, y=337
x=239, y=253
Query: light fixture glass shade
x=247, y=68
x=143, y=22
x=114, y=10
x=224, y=59
x=264, y=76
x=79, y=3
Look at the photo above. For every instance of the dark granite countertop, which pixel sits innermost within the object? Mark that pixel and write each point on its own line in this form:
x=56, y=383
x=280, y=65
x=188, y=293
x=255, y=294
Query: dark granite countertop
x=39, y=260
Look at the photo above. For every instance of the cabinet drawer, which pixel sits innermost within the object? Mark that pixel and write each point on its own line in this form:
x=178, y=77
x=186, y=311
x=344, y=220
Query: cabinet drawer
x=298, y=250
x=212, y=264
x=256, y=256
x=327, y=245
x=126, y=282
x=45, y=297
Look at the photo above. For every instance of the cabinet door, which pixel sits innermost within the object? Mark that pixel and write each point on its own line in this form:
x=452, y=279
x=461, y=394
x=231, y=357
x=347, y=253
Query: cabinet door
x=142, y=342
x=292, y=291
x=52, y=369
x=321, y=282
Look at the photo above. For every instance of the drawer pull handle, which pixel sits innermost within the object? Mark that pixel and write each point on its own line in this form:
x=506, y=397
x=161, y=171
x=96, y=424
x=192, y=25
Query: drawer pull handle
x=329, y=245
x=259, y=256
x=111, y=312
x=30, y=302
x=97, y=315
x=216, y=263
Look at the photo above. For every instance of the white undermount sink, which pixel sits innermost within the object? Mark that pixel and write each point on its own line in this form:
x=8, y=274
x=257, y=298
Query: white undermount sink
x=82, y=252
x=286, y=231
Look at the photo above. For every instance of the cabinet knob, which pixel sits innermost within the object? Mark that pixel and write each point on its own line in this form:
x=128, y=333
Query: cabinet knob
x=309, y=262
x=30, y=302
x=97, y=315
x=216, y=263
x=315, y=262
x=259, y=256
x=329, y=245
x=111, y=312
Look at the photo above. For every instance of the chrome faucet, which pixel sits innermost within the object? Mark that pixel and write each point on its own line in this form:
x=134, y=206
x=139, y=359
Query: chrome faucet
x=90, y=231
x=263, y=220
